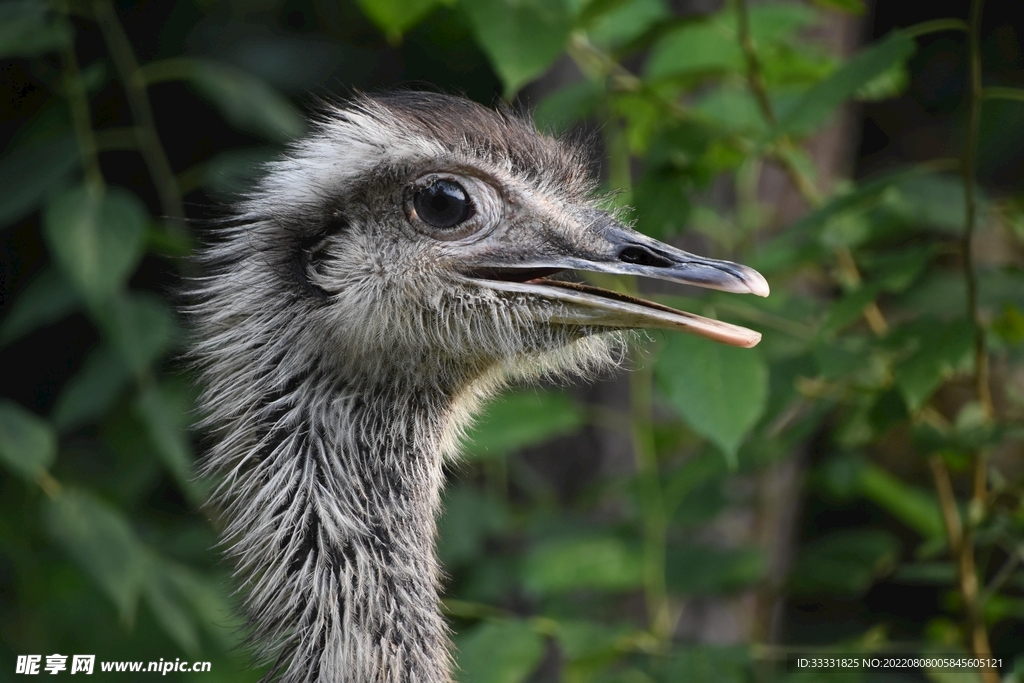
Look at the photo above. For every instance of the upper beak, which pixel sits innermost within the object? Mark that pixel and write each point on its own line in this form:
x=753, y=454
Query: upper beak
x=614, y=248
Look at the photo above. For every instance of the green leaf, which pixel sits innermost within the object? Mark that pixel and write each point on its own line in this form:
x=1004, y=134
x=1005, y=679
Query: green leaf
x=395, y=17
x=520, y=420
x=927, y=574
x=712, y=45
x=31, y=170
x=28, y=29
x=498, y=652
x=708, y=46
x=140, y=326
x=564, y=107
x=100, y=540
x=626, y=21
x=165, y=601
x=231, y=173
x=28, y=445
x=47, y=299
x=849, y=308
x=96, y=237
x=915, y=507
x=167, y=433
x=1009, y=326
x=733, y=108
x=521, y=37
x=246, y=101
x=709, y=664
x=719, y=390
x=845, y=562
x=469, y=519
x=583, y=563
x=89, y=394
x=855, y=7
x=930, y=200
x=586, y=639
x=943, y=349
x=818, y=104
x=707, y=570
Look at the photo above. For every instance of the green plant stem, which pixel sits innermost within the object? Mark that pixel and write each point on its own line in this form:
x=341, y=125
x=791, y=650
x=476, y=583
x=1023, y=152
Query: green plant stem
x=936, y=26
x=754, y=77
x=963, y=548
x=1002, y=93
x=81, y=118
x=655, y=523
x=153, y=153
x=804, y=185
x=652, y=507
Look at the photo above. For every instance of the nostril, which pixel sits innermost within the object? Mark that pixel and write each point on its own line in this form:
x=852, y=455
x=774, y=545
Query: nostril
x=643, y=257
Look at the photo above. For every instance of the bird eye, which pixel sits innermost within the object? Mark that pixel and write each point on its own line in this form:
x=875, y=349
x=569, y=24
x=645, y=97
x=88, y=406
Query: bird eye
x=443, y=204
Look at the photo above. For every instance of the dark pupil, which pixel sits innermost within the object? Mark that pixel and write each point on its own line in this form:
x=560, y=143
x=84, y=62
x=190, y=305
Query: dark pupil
x=443, y=205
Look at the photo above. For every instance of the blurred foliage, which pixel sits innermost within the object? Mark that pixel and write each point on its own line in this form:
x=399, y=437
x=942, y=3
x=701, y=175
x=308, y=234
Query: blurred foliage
x=890, y=375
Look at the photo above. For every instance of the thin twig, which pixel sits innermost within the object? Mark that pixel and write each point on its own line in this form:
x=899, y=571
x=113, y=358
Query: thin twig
x=964, y=552
x=81, y=118
x=969, y=173
x=753, y=64
x=153, y=153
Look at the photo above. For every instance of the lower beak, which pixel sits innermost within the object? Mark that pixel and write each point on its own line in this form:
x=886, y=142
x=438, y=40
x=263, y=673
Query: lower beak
x=626, y=252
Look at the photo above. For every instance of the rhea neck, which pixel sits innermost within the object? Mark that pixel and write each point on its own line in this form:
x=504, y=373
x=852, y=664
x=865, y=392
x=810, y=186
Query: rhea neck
x=335, y=521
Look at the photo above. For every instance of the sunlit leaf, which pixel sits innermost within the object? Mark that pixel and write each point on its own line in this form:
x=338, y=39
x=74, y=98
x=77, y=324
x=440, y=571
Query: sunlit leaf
x=890, y=83
x=1009, y=326
x=395, y=17
x=719, y=390
x=583, y=563
x=706, y=46
x=101, y=541
x=139, y=325
x=498, y=652
x=845, y=562
x=28, y=445
x=521, y=37
x=96, y=237
x=819, y=103
x=520, y=420
x=31, y=170
x=734, y=109
x=47, y=299
x=89, y=394
x=916, y=507
x=29, y=28
x=712, y=45
x=626, y=21
x=706, y=570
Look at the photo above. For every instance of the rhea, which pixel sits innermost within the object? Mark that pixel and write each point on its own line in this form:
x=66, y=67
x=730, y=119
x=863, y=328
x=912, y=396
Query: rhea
x=393, y=270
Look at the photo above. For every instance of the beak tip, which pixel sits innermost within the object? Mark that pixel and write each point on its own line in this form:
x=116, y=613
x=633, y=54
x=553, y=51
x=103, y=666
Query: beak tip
x=757, y=284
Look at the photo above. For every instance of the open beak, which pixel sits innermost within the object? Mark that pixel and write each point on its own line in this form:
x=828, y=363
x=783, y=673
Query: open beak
x=617, y=249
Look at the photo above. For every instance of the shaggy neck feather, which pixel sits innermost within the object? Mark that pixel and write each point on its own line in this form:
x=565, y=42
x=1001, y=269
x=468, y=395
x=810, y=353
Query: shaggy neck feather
x=334, y=520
